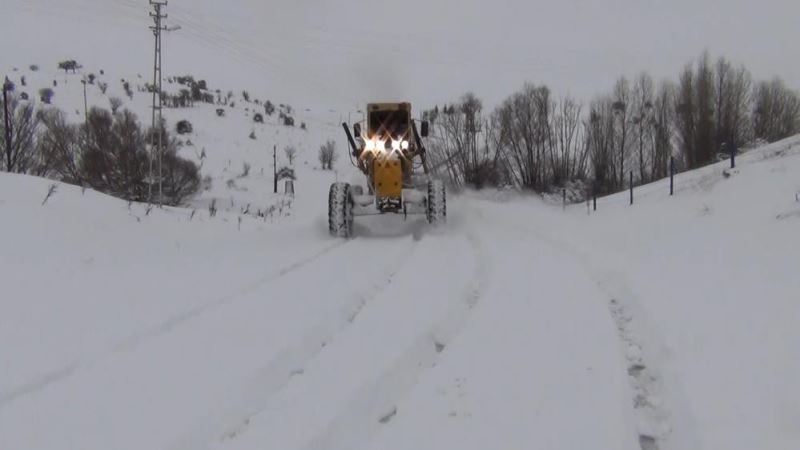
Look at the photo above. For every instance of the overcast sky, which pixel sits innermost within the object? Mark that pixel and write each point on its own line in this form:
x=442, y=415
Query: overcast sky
x=347, y=52
x=436, y=49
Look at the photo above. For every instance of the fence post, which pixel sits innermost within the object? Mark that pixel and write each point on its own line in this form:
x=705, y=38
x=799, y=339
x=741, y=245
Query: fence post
x=733, y=156
x=564, y=199
x=631, y=184
x=594, y=201
x=288, y=188
x=671, y=175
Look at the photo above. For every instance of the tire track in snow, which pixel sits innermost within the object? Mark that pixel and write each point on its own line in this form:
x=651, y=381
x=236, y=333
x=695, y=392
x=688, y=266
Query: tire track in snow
x=235, y=417
x=654, y=423
x=132, y=341
x=375, y=404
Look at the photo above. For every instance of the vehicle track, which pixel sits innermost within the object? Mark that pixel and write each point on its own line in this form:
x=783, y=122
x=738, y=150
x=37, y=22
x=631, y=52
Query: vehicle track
x=375, y=404
x=234, y=418
x=132, y=341
x=654, y=423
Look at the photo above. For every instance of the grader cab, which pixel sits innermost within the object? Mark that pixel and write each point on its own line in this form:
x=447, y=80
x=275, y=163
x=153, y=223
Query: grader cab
x=390, y=153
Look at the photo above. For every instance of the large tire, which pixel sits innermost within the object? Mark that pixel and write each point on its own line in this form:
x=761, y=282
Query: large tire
x=437, y=203
x=340, y=210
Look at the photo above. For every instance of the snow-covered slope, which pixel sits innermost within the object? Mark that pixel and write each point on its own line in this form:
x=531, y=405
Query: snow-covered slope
x=518, y=325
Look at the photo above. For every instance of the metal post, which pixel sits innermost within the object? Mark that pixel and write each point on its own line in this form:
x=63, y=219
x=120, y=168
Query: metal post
x=85, y=102
x=275, y=169
x=631, y=184
x=157, y=117
x=671, y=175
x=6, y=88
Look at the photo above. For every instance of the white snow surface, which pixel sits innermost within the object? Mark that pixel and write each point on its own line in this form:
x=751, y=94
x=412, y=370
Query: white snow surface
x=671, y=324
x=515, y=326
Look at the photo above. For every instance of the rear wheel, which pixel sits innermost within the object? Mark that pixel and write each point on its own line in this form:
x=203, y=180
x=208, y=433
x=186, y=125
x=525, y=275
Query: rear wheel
x=437, y=202
x=340, y=210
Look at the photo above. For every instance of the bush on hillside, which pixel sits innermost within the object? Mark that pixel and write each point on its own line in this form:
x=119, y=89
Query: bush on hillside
x=184, y=127
x=46, y=95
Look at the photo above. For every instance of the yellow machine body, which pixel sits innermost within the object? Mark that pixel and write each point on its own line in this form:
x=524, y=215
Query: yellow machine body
x=387, y=176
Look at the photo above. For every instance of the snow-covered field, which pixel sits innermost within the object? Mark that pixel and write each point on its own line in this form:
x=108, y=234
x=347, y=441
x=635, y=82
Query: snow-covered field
x=518, y=325
x=671, y=324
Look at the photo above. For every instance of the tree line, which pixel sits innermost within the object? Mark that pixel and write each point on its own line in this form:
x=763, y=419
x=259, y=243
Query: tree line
x=107, y=152
x=536, y=141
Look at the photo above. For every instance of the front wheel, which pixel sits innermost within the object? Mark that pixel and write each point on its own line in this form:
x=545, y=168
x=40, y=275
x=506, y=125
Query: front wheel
x=437, y=202
x=340, y=210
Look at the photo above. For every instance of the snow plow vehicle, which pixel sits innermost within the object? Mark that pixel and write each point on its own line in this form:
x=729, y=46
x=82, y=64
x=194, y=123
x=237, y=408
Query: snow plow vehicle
x=390, y=153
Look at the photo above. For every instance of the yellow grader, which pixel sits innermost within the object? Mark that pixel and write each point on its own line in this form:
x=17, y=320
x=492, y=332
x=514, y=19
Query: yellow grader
x=391, y=155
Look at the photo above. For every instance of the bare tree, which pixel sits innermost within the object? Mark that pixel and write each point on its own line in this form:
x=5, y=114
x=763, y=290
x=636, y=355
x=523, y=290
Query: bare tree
x=59, y=150
x=327, y=155
x=525, y=135
x=115, y=103
x=663, y=124
x=568, y=148
x=643, y=91
x=704, y=129
x=290, y=152
x=621, y=109
x=20, y=155
x=600, y=133
x=686, y=115
x=777, y=111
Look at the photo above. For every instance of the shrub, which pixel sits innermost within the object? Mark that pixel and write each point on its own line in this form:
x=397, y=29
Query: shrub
x=181, y=177
x=115, y=103
x=128, y=91
x=288, y=121
x=24, y=96
x=258, y=118
x=46, y=95
x=286, y=173
x=184, y=127
x=91, y=77
x=253, y=135
x=34, y=68
x=69, y=65
x=290, y=153
x=246, y=96
x=327, y=155
x=269, y=108
x=103, y=86
x=220, y=112
x=114, y=159
x=245, y=169
x=22, y=81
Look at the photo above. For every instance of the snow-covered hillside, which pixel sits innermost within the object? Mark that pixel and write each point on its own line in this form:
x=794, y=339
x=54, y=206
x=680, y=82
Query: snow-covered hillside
x=671, y=324
x=518, y=325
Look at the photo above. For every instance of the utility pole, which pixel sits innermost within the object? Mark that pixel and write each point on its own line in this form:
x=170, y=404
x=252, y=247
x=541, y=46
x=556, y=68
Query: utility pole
x=85, y=102
x=6, y=88
x=158, y=27
x=274, y=169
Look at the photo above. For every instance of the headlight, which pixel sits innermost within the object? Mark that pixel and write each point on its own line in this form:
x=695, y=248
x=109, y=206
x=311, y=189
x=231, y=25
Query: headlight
x=404, y=145
x=380, y=145
x=370, y=145
x=396, y=144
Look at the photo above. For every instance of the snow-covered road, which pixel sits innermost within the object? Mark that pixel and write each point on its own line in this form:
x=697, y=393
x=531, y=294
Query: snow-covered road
x=343, y=344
